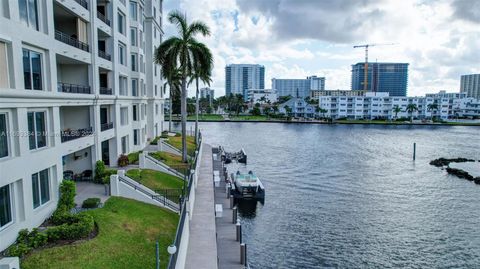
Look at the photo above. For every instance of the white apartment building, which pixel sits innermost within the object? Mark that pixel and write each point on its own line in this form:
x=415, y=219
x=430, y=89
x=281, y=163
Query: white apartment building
x=262, y=96
x=381, y=106
x=77, y=85
x=207, y=93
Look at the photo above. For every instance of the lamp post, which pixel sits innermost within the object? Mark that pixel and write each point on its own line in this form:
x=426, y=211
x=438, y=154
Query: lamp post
x=172, y=249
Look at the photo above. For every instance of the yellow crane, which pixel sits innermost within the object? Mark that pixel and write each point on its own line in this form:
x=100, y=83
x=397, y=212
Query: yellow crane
x=366, y=46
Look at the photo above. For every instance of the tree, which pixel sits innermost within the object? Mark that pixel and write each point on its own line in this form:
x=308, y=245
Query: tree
x=396, y=109
x=318, y=109
x=186, y=52
x=173, y=79
x=410, y=109
x=288, y=110
x=203, y=73
x=432, y=107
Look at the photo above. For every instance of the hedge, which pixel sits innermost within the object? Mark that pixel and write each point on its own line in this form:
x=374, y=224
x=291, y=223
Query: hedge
x=91, y=203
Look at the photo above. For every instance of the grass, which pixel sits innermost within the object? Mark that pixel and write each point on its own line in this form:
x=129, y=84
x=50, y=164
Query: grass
x=133, y=157
x=127, y=234
x=176, y=142
x=154, y=179
x=201, y=117
x=172, y=160
x=249, y=117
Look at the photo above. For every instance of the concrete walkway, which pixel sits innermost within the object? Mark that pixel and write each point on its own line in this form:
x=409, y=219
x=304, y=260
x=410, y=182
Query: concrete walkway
x=202, y=247
x=89, y=190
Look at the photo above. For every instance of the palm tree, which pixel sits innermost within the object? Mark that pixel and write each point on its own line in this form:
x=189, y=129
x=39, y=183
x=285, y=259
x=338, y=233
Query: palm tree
x=185, y=51
x=172, y=76
x=432, y=107
x=396, y=109
x=410, y=109
x=203, y=73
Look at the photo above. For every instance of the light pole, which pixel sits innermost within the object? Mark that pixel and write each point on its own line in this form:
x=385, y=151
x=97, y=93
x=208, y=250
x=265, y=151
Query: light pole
x=172, y=249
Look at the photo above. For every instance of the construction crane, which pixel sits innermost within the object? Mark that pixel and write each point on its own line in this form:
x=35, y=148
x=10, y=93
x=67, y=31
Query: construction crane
x=366, y=46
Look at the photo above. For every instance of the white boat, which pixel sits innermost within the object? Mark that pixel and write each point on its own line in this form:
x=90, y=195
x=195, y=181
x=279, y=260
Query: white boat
x=247, y=186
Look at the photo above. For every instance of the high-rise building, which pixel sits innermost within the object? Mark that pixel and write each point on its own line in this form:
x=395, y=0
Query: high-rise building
x=208, y=94
x=241, y=77
x=298, y=87
x=470, y=84
x=382, y=77
x=78, y=85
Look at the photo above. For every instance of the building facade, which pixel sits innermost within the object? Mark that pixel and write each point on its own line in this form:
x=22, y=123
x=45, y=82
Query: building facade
x=317, y=93
x=470, y=84
x=298, y=108
x=241, y=77
x=382, y=77
x=262, y=96
x=207, y=93
x=298, y=87
x=382, y=106
x=77, y=85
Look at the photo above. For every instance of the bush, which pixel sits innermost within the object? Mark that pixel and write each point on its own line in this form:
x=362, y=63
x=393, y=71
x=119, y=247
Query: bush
x=99, y=171
x=26, y=241
x=178, y=134
x=91, y=203
x=107, y=174
x=67, y=195
x=133, y=157
x=77, y=227
x=18, y=250
x=123, y=160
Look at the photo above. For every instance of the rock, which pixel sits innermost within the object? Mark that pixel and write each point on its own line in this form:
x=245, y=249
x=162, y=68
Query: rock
x=476, y=180
x=459, y=173
x=444, y=161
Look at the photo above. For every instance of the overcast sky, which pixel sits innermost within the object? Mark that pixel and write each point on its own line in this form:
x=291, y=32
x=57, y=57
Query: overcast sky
x=297, y=38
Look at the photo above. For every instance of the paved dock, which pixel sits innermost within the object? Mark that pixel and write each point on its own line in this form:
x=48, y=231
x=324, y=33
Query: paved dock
x=228, y=247
x=202, y=247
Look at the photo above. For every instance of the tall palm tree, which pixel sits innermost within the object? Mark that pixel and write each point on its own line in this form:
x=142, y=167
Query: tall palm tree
x=172, y=76
x=410, y=109
x=186, y=51
x=203, y=73
x=396, y=109
x=432, y=107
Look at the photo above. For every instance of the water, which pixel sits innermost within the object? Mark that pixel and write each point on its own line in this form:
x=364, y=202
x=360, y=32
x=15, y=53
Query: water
x=350, y=196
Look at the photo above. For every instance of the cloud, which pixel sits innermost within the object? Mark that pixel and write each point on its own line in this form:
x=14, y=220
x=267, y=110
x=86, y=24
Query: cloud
x=467, y=10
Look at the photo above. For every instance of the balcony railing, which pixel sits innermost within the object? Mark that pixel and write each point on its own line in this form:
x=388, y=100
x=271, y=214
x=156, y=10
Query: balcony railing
x=103, y=18
x=106, y=91
x=104, y=55
x=106, y=126
x=83, y=3
x=68, y=135
x=62, y=37
x=72, y=88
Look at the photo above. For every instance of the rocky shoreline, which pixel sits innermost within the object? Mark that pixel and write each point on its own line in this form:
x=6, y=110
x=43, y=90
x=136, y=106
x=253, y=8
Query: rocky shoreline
x=441, y=162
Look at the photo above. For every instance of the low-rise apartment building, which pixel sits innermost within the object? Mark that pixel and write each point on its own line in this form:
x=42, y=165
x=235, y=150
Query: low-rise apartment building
x=77, y=85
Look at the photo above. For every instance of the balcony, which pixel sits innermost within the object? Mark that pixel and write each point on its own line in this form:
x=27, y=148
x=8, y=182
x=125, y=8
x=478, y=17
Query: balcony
x=62, y=37
x=106, y=91
x=69, y=134
x=83, y=3
x=72, y=88
x=103, y=18
x=106, y=126
x=104, y=55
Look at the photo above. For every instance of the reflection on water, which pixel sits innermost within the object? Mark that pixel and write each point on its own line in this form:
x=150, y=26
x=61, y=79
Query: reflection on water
x=247, y=209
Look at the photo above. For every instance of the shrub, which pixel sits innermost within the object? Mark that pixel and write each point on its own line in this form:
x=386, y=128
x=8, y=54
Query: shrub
x=99, y=171
x=123, y=160
x=155, y=141
x=91, y=203
x=18, y=250
x=27, y=241
x=108, y=173
x=178, y=134
x=133, y=157
x=67, y=195
x=78, y=226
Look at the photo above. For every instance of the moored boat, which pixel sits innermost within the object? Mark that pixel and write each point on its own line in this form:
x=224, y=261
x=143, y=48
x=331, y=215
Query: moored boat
x=247, y=186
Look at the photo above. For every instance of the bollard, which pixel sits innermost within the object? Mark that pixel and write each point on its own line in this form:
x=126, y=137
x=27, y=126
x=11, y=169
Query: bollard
x=243, y=252
x=232, y=200
x=414, y=150
x=239, y=231
x=229, y=189
x=234, y=215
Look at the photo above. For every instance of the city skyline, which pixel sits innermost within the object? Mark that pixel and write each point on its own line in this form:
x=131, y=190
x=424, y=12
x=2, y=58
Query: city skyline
x=436, y=38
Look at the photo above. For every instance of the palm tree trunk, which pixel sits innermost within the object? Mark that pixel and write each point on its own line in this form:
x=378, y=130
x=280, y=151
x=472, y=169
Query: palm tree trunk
x=183, y=107
x=196, y=113
x=170, y=110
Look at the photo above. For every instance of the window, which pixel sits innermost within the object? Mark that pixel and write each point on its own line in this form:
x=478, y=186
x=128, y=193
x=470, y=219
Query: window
x=143, y=111
x=155, y=68
x=133, y=36
x=133, y=11
x=135, y=112
x=32, y=70
x=124, y=144
x=3, y=136
x=154, y=13
x=155, y=32
x=135, y=137
x=124, y=116
x=40, y=188
x=134, y=87
x=36, y=130
x=121, y=23
x=29, y=13
x=121, y=53
x=142, y=64
x=156, y=109
x=123, y=85
x=156, y=91
x=141, y=17
x=5, y=206
x=134, y=62
x=4, y=75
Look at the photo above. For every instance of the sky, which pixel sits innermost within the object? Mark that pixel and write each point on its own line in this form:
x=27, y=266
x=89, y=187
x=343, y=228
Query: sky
x=440, y=39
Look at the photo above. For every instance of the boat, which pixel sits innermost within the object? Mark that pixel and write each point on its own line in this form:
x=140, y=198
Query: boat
x=240, y=156
x=247, y=186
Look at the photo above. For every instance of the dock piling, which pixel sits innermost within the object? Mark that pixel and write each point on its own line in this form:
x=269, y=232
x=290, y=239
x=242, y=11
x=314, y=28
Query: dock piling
x=239, y=231
x=234, y=215
x=243, y=254
x=229, y=190
x=232, y=201
x=414, y=150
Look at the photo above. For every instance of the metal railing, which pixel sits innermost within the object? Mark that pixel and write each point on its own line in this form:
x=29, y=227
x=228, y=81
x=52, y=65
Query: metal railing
x=73, y=88
x=183, y=213
x=104, y=55
x=106, y=91
x=163, y=200
x=62, y=37
x=103, y=18
x=83, y=3
x=68, y=135
x=106, y=126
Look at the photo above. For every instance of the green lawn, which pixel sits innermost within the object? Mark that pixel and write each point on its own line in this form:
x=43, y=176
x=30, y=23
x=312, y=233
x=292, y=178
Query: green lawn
x=172, y=160
x=154, y=179
x=133, y=157
x=127, y=234
x=176, y=142
x=208, y=117
x=249, y=117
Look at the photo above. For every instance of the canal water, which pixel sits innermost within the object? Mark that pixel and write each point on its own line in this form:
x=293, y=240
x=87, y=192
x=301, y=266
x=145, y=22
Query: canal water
x=350, y=196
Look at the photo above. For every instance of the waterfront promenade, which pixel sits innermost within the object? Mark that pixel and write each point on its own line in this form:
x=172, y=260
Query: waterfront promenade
x=202, y=247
